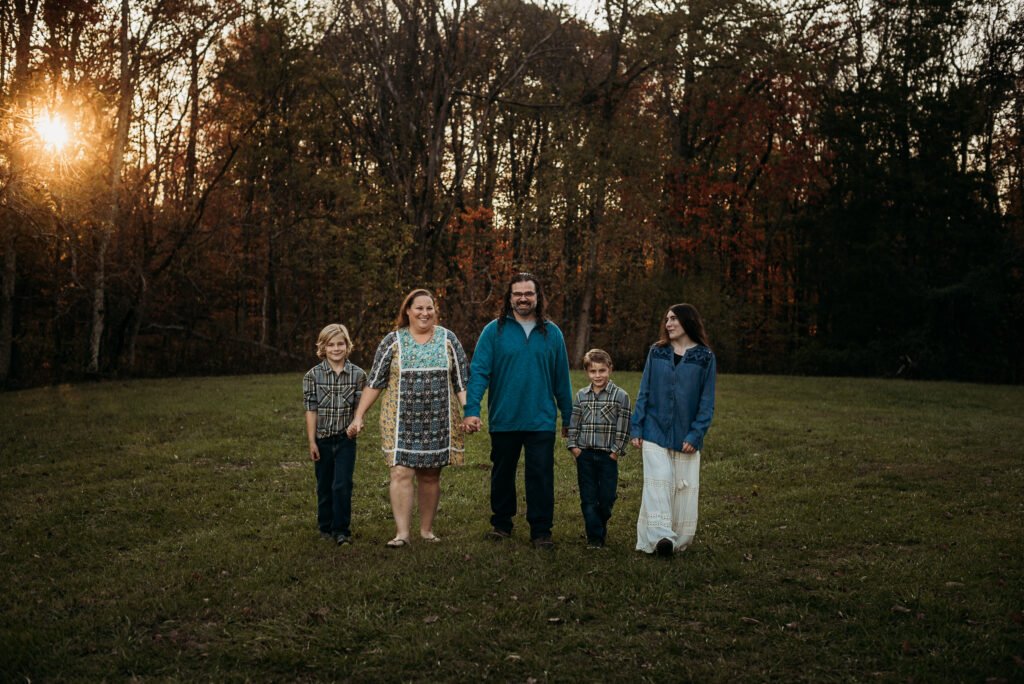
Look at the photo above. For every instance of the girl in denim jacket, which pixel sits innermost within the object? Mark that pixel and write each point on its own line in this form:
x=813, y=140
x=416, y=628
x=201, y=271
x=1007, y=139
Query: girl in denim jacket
x=672, y=414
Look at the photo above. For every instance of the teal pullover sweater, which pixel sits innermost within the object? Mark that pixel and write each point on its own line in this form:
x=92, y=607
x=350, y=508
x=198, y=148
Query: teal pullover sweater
x=524, y=378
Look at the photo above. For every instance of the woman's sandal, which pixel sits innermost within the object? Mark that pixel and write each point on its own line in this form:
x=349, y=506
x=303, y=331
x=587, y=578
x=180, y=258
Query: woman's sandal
x=397, y=543
x=431, y=538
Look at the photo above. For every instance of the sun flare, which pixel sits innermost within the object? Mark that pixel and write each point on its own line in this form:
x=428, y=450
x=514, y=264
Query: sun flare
x=52, y=131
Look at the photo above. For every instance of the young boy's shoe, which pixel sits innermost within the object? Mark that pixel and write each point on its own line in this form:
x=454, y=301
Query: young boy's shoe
x=343, y=539
x=595, y=543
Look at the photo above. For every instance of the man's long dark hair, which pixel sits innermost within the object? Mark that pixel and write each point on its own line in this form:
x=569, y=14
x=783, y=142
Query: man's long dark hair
x=693, y=326
x=506, y=305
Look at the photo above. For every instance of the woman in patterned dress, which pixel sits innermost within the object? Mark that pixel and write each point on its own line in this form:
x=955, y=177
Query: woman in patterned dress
x=423, y=368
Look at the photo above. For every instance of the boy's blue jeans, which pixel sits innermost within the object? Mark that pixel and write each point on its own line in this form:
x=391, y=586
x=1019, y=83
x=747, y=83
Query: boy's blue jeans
x=334, y=483
x=598, y=478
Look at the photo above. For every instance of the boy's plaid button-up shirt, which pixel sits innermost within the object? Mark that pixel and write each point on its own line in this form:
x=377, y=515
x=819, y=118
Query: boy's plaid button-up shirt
x=600, y=421
x=333, y=396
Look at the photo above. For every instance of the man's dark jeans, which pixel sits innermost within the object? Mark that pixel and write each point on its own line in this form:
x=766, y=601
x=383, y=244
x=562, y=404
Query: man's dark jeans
x=598, y=478
x=539, y=450
x=334, y=483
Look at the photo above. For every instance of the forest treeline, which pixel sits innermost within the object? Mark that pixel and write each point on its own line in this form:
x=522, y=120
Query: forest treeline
x=838, y=186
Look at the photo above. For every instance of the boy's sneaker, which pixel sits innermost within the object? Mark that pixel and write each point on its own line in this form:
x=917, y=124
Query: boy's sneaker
x=595, y=543
x=327, y=536
x=344, y=539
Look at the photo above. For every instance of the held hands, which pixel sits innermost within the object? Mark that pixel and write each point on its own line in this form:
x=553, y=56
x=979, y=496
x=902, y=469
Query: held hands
x=688, y=448
x=354, y=428
x=471, y=424
x=637, y=442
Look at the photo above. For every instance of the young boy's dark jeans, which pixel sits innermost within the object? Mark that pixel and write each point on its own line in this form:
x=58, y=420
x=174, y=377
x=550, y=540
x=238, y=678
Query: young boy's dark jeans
x=334, y=483
x=598, y=478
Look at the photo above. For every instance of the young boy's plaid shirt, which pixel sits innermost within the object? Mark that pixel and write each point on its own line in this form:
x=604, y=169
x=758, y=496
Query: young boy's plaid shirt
x=334, y=396
x=600, y=421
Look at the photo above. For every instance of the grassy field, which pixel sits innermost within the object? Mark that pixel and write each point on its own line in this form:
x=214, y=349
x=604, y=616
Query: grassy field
x=850, y=530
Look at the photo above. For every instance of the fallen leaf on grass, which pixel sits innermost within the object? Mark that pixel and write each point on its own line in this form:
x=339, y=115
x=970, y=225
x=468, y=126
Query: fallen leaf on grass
x=430, y=619
x=899, y=609
x=748, y=557
x=750, y=620
x=792, y=625
x=319, y=615
x=513, y=657
x=555, y=621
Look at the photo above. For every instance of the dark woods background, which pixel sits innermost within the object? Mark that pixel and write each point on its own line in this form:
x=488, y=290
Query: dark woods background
x=838, y=187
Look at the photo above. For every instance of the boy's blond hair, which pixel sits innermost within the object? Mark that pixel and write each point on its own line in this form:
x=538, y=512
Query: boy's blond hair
x=597, y=356
x=328, y=334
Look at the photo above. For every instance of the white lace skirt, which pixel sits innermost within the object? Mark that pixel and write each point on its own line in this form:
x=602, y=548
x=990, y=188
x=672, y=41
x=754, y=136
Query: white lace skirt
x=668, y=506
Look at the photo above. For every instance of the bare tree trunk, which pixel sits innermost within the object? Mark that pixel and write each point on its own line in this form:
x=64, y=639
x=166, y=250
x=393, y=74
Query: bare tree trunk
x=25, y=17
x=583, y=319
x=193, y=129
x=136, y=323
x=107, y=227
x=98, y=302
x=7, y=307
x=583, y=322
x=269, y=324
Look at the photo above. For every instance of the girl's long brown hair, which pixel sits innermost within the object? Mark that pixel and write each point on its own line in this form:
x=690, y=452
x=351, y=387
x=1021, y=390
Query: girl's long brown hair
x=693, y=326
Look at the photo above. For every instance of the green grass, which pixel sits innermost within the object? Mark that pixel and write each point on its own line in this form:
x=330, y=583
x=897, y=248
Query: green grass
x=849, y=530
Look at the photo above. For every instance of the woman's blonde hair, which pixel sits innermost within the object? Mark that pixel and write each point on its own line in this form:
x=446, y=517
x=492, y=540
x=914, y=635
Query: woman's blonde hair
x=328, y=334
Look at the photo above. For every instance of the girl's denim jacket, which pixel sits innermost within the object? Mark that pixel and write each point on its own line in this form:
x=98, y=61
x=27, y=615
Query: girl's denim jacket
x=675, y=402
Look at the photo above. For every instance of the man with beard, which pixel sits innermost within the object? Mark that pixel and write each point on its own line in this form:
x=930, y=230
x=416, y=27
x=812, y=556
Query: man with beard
x=521, y=362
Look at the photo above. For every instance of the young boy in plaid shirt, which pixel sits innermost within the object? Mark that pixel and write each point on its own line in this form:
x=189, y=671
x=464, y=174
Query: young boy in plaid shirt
x=598, y=432
x=331, y=391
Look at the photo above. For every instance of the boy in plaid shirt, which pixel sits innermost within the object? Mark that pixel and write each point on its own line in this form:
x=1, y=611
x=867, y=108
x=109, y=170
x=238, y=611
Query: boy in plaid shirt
x=598, y=432
x=331, y=391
